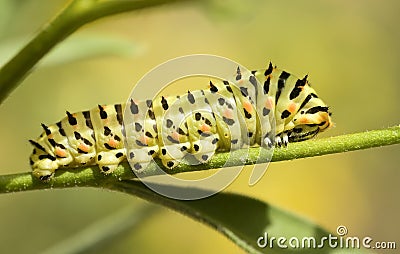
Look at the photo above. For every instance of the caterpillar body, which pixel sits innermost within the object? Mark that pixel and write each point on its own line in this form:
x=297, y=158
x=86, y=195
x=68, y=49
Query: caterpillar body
x=266, y=107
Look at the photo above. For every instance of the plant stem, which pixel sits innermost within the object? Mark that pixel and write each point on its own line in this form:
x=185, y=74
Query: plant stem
x=75, y=15
x=91, y=176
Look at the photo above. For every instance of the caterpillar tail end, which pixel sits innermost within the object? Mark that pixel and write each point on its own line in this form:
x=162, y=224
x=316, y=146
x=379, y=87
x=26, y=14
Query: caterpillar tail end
x=43, y=175
x=43, y=168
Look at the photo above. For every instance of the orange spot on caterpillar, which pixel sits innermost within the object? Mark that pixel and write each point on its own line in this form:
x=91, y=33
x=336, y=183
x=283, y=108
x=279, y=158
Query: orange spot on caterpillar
x=228, y=113
x=113, y=143
x=175, y=135
x=60, y=152
x=304, y=120
x=144, y=140
x=83, y=147
x=269, y=102
x=205, y=127
x=247, y=105
x=292, y=107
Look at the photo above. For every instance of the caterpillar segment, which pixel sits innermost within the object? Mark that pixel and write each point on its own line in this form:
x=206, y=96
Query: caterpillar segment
x=173, y=129
x=203, y=134
x=223, y=104
x=268, y=107
x=142, y=142
x=245, y=96
x=109, y=139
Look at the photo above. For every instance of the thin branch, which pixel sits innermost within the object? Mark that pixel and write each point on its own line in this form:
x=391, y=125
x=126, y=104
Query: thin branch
x=75, y=15
x=91, y=176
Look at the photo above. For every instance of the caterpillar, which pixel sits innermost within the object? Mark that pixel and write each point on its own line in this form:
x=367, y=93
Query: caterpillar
x=268, y=107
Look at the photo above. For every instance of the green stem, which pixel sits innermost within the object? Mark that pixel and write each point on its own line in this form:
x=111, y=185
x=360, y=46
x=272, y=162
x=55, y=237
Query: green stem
x=75, y=15
x=91, y=176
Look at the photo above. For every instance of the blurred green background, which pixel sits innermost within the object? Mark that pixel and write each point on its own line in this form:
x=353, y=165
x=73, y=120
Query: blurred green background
x=350, y=49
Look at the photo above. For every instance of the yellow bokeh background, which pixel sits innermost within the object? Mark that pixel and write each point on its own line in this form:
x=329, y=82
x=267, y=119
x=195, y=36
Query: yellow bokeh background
x=350, y=49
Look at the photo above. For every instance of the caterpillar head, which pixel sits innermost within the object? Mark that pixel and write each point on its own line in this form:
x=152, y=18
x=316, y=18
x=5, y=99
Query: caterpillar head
x=313, y=118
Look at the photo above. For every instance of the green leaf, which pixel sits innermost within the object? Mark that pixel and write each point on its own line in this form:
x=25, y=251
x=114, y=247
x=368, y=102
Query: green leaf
x=96, y=236
x=242, y=219
x=74, y=49
x=89, y=46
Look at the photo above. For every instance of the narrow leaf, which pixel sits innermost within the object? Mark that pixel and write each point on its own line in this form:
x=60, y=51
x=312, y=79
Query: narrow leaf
x=104, y=231
x=74, y=49
x=244, y=220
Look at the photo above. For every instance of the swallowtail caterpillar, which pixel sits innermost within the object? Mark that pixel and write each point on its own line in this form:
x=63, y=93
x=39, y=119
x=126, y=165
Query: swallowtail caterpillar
x=269, y=107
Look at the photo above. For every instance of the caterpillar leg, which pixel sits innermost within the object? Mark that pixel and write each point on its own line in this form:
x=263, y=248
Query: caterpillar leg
x=205, y=148
x=44, y=169
x=140, y=159
x=267, y=142
x=84, y=159
x=171, y=155
x=108, y=161
x=282, y=140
